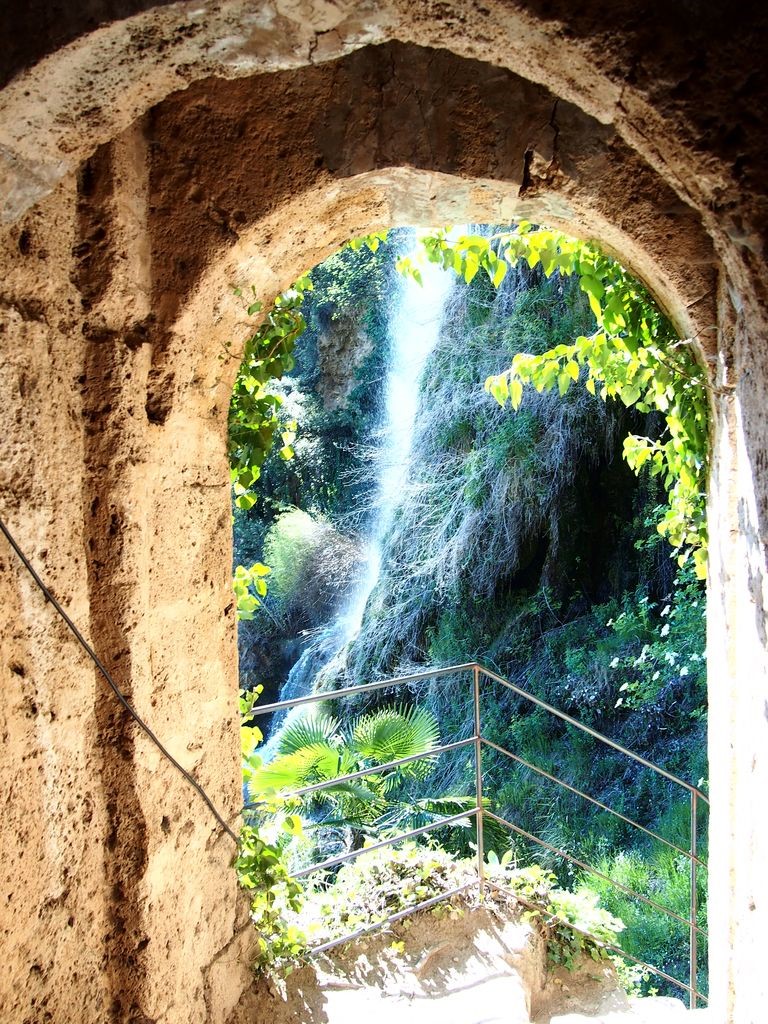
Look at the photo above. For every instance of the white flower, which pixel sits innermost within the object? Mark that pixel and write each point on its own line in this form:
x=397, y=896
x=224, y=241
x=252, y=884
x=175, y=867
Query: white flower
x=615, y=663
x=665, y=629
x=641, y=659
x=684, y=671
x=665, y=610
x=655, y=676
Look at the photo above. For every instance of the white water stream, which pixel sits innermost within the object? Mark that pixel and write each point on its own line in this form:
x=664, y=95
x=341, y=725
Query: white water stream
x=414, y=328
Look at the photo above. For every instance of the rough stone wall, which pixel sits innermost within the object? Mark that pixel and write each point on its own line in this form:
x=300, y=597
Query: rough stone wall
x=122, y=239
x=102, y=842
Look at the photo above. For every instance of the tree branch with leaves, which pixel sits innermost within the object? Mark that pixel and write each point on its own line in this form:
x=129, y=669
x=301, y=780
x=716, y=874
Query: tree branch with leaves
x=634, y=355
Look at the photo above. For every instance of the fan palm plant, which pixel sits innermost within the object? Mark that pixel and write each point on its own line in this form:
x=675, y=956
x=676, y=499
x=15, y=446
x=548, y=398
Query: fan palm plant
x=320, y=749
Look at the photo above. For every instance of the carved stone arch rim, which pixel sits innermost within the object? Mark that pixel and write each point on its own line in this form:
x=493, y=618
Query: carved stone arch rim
x=302, y=232
x=56, y=113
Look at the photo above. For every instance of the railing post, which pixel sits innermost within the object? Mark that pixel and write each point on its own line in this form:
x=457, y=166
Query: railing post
x=479, y=781
x=694, y=943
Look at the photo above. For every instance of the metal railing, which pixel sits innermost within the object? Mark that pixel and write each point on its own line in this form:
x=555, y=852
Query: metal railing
x=477, y=741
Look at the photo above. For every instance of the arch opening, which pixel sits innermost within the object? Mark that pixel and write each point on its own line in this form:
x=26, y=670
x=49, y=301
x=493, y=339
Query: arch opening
x=424, y=605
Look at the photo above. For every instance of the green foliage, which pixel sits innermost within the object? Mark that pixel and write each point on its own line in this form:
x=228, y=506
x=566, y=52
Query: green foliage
x=250, y=735
x=313, y=566
x=287, y=546
x=673, y=647
x=247, y=584
x=383, y=882
x=557, y=913
x=274, y=894
x=377, y=884
x=664, y=876
x=372, y=241
x=634, y=355
x=253, y=421
x=261, y=870
x=318, y=748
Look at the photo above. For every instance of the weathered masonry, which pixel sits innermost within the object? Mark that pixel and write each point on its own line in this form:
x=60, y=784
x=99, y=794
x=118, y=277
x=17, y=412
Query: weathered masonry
x=152, y=155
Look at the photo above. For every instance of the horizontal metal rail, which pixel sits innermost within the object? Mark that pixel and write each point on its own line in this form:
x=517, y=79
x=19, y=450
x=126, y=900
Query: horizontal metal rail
x=592, y=732
x=479, y=812
x=376, y=925
x=591, y=799
x=552, y=919
x=351, y=691
x=317, y=787
x=332, y=862
x=594, y=871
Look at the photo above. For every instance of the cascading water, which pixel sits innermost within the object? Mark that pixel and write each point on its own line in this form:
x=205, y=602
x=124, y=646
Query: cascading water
x=414, y=327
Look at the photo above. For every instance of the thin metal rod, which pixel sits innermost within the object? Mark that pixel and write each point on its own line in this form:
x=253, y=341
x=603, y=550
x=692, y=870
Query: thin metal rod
x=593, y=871
x=318, y=786
x=450, y=670
x=694, y=937
x=586, y=796
x=350, y=691
x=592, y=732
x=598, y=942
x=425, y=905
x=333, y=861
x=478, y=781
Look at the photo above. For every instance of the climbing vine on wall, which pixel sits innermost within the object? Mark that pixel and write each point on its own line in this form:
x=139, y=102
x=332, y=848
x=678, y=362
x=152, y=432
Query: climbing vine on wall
x=253, y=419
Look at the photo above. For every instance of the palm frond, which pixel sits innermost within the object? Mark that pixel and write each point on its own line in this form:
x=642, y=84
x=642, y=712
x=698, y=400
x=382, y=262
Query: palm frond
x=394, y=732
x=355, y=790
x=317, y=762
x=307, y=731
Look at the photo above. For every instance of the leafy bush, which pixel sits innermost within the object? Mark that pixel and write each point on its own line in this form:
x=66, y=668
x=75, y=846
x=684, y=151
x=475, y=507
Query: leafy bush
x=376, y=885
x=313, y=567
x=554, y=910
x=384, y=882
x=274, y=896
x=663, y=876
x=673, y=646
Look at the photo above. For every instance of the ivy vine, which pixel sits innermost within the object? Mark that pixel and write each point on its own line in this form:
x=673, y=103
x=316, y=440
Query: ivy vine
x=253, y=420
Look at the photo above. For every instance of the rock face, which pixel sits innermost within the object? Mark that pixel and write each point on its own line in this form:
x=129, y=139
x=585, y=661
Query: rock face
x=472, y=967
x=170, y=151
x=342, y=348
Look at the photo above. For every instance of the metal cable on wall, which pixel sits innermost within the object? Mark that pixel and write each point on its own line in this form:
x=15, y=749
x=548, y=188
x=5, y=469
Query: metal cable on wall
x=114, y=687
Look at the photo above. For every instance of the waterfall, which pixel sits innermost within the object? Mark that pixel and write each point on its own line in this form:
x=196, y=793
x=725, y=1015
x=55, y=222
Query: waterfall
x=414, y=330
x=414, y=327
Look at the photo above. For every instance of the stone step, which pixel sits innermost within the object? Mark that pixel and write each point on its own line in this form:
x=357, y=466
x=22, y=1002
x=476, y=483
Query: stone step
x=651, y=1010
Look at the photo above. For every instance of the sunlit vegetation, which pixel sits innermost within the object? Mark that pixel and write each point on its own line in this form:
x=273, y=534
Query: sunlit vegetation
x=552, y=527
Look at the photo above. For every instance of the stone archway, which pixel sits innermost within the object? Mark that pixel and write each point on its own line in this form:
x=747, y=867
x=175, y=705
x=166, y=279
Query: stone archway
x=114, y=304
